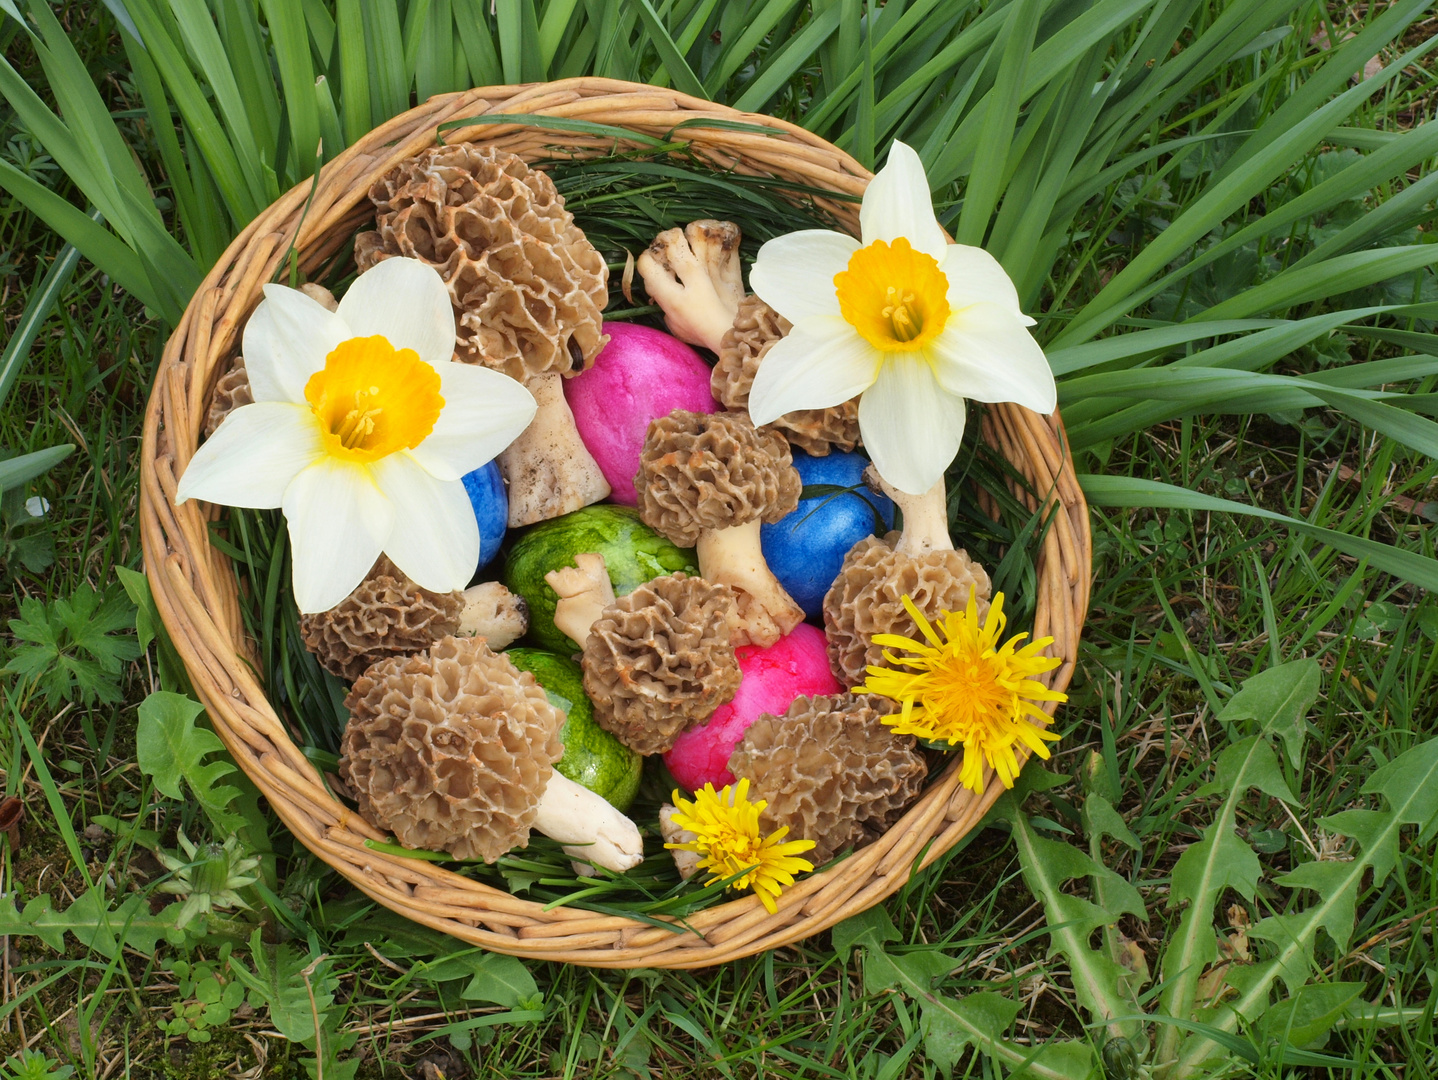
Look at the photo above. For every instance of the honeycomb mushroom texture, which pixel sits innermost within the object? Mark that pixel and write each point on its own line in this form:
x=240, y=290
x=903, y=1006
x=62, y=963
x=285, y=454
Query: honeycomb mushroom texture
x=866, y=599
x=527, y=287
x=387, y=615
x=702, y=471
x=830, y=771
x=231, y=391
x=451, y=750
x=756, y=327
x=659, y=659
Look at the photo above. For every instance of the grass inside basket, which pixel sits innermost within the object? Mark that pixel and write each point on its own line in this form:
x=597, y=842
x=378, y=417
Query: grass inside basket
x=620, y=202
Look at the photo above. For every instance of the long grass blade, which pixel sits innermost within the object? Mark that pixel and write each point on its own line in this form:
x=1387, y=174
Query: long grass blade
x=37, y=309
x=1130, y=492
x=112, y=255
x=675, y=66
x=290, y=38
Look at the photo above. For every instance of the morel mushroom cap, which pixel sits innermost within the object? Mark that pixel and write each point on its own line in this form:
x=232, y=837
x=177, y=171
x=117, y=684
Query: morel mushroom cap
x=707, y=480
x=866, y=598
x=527, y=287
x=451, y=750
x=756, y=327
x=386, y=615
x=702, y=471
x=660, y=659
x=830, y=771
x=231, y=391
x=389, y=615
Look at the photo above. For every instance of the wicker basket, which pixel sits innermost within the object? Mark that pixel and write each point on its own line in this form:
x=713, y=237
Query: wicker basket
x=196, y=590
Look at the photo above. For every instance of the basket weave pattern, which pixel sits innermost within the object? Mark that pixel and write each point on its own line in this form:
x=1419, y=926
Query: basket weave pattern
x=196, y=589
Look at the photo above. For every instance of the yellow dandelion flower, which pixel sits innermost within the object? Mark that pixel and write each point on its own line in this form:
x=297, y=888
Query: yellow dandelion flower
x=964, y=687
x=726, y=826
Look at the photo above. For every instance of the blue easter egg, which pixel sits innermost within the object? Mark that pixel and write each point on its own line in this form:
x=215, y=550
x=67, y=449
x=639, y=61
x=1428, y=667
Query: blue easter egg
x=806, y=548
x=485, y=488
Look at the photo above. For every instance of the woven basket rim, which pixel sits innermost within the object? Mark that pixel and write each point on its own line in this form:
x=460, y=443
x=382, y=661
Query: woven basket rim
x=196, y=591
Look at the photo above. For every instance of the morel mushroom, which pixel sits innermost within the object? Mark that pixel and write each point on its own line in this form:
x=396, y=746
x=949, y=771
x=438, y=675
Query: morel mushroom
x=921, y=563
x=655, y=661
x=831, y=771
x=527, y=290
x=707, y=481
x=693, y=274
x=453, y=750
x=756, y=328
x=389, y=615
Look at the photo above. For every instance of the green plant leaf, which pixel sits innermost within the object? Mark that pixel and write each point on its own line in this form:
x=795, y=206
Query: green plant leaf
x=1279, y=700
x=21, y=470
x=170, y=748
x=1047, y=865
x=1409, y=786
x=93, y=924
x=75, y=647
x=871, y=928
x=278, y=984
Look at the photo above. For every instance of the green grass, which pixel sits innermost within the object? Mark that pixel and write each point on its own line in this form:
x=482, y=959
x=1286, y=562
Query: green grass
x=1187, y=604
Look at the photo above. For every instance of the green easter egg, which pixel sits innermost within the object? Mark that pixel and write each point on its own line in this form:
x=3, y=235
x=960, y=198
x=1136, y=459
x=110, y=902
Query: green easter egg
x=633, y=554
x=592, y=757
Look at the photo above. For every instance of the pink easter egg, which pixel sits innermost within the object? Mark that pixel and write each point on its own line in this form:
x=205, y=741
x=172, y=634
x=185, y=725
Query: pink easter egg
x=770, y=679
x=640, y=375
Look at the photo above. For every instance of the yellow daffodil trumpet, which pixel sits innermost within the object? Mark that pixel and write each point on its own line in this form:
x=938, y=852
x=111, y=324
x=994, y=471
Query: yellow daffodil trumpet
x=960, y=685
x=910, y=323
x=362, y=429
x=728, y=842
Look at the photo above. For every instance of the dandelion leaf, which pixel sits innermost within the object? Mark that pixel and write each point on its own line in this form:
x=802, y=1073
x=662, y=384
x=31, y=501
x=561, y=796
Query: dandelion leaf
x=502, y=980
x=1099, y=981
x=871, y=928
x=170, y=747
x=1278, y=699
x=1307, y=1019
x=1409, y=786
x=278, y=983
x=978, y=1021
x=92, y=923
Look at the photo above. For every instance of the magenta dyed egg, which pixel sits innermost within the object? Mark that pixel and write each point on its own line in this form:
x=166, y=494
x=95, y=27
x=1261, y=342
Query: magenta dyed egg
x=640, y=375
x=771, y=679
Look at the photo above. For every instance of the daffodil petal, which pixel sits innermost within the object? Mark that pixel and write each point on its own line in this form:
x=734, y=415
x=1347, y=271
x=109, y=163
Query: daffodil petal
x=435, y=537
x=406, y=301
x=910, y=425
x=974, y=276
x=985, y=354
x=897, y=203
x=794, y=273
x=821, y=362
x=286, y=341
x=484, y=411
x=252, y=457
x=337, y=521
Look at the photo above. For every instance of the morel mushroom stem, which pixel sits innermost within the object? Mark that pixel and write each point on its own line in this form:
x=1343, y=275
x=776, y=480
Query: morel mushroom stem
x=587, y=827
x=693, y=275
x=686, y=862
x=549, y=469
x=926, y=516
x=734, y=557
x=494, y=613
x=584, y=591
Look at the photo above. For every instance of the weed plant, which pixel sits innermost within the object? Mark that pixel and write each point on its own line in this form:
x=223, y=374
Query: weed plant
x=1228, y=865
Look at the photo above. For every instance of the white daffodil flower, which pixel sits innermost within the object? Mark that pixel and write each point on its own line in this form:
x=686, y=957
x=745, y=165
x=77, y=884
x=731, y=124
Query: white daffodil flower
x=904, y=318
x=361, y=430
